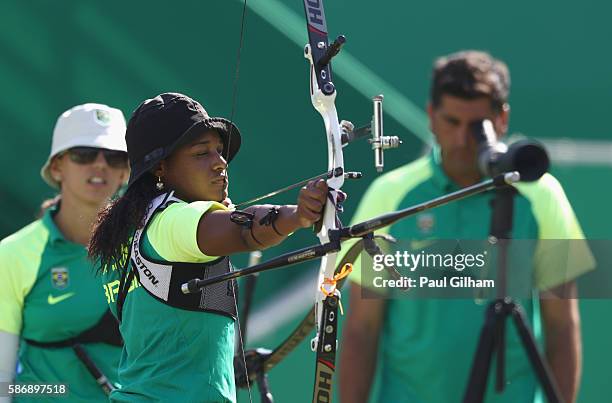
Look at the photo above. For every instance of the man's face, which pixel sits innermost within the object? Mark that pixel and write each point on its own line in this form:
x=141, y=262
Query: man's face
x=450, y=123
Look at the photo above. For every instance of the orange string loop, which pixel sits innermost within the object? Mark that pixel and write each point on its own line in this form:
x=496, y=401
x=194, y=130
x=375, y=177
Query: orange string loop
x=332, y=282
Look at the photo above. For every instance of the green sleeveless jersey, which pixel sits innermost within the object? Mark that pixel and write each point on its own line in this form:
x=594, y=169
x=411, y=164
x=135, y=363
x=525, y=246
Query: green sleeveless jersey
x=172, y=354
x=427, y=345
x=48, y=292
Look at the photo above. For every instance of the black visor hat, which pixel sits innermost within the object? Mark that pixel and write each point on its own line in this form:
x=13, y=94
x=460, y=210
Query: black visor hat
x=159, y=125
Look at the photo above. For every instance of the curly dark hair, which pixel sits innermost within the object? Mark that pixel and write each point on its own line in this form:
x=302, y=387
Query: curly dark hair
x=471, y=74
x=117, y=222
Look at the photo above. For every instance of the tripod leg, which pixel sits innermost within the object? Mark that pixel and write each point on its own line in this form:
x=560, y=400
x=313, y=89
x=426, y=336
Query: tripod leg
x=479, y=374
x=264, y=388
x=539, y=365
x=501, y=356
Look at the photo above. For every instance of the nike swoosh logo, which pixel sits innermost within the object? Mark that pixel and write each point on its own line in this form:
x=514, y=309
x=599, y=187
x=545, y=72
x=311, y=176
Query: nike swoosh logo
x=54, y=300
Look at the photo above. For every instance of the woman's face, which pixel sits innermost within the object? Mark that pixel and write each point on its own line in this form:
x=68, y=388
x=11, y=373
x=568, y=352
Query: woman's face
x=197, y=170
x=89, y=175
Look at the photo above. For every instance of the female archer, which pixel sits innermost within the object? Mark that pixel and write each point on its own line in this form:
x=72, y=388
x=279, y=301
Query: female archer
x=53, y=319
x=171, y=225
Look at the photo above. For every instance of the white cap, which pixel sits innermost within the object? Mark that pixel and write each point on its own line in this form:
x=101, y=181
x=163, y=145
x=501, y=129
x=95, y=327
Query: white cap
x=87, y=125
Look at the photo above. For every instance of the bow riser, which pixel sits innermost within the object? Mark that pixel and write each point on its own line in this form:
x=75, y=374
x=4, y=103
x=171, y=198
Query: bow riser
x=325, y=105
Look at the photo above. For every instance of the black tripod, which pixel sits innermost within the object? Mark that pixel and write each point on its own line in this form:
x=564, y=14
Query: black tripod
x=492, y=336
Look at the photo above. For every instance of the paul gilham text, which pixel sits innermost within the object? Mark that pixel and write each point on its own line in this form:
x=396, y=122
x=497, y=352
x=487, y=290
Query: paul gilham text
x=426, y=282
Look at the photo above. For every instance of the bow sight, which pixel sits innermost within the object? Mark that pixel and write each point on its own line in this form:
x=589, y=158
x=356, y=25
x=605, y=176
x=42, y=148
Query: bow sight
x=379, y=141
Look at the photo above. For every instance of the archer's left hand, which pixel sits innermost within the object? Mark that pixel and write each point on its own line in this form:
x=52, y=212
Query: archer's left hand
x=311, y=202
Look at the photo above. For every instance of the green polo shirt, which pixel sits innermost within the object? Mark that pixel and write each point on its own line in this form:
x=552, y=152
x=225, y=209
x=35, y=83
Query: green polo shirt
x=172, y=354
x=427, y=345
x=48, y=292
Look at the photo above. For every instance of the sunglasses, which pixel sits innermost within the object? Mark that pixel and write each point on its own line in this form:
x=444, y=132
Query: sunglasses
x=87, y=155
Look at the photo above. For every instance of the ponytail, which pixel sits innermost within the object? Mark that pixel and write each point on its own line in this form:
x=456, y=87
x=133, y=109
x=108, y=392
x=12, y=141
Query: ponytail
x=117, y=222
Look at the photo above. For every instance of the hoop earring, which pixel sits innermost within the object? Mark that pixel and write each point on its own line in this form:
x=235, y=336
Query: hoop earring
x=159, y=185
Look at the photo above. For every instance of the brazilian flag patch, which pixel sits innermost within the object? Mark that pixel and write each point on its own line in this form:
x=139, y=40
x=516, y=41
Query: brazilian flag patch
x=103, y=117
x=59, y=277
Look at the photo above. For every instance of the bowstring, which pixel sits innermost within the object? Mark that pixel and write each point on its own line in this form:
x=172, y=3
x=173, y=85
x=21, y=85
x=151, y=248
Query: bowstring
x=236, y=79
x=229, y=141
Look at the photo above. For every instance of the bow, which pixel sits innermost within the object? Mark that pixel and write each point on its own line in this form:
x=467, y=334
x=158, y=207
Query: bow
x=323, y=96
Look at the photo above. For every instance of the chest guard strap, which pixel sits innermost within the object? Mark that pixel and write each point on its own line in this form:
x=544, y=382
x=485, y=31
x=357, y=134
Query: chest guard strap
x=106, y=330
x=163, y=280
